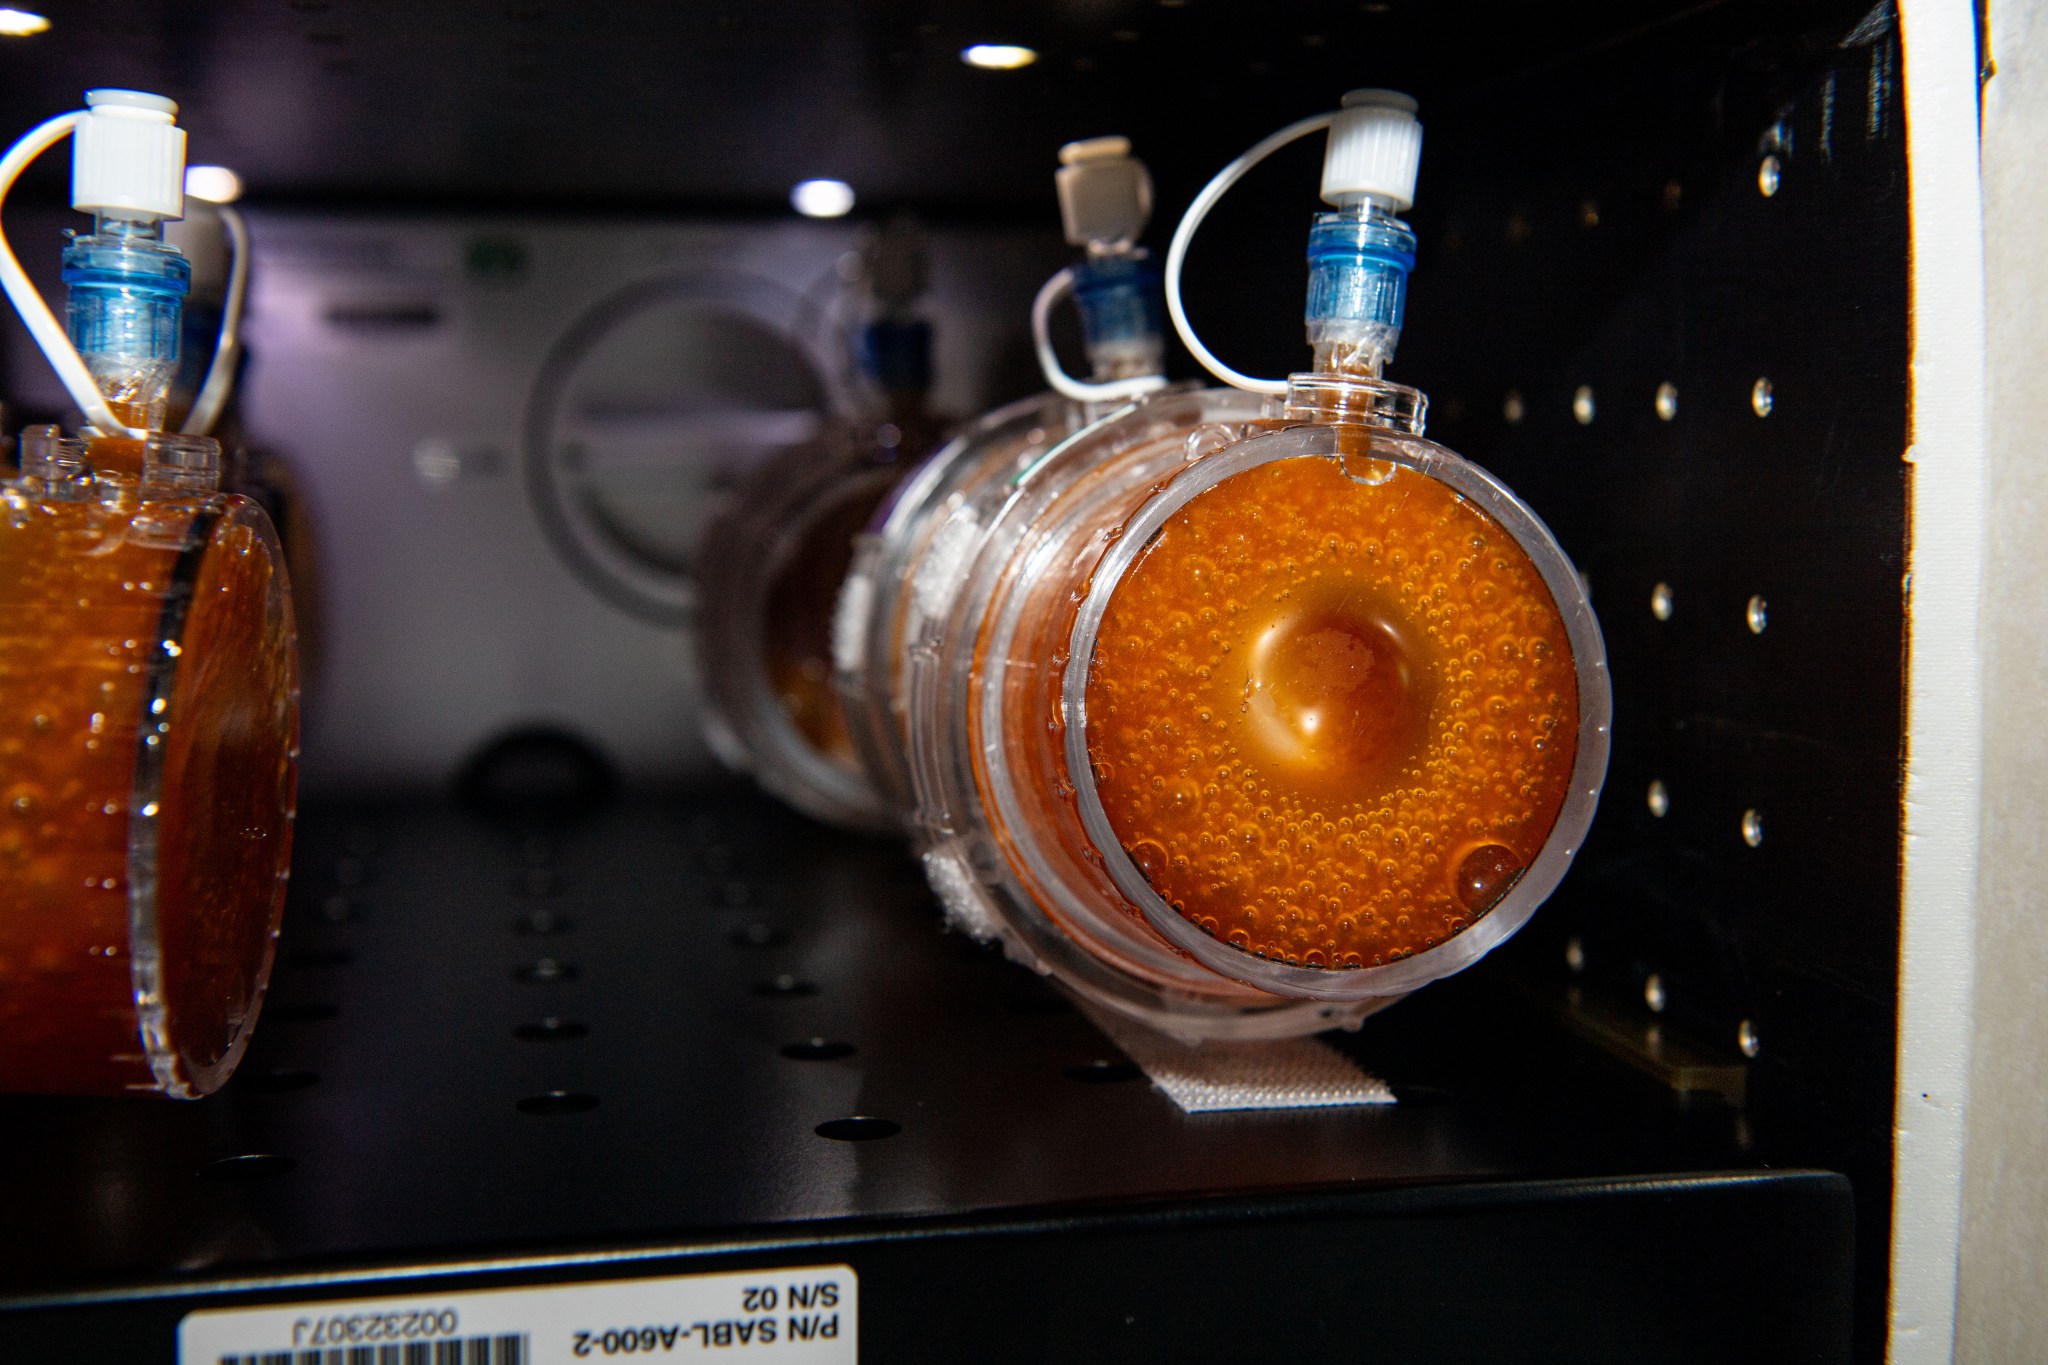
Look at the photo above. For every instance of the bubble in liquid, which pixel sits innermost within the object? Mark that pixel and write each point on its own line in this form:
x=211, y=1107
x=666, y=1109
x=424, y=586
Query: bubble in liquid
x=1150, y=856
x=1485, y=875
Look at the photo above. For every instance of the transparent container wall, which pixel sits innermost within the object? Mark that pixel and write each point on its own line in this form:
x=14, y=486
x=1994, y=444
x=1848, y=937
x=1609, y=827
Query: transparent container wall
x=1337, y=717
x=907, y=568
x=149, y=744
x=769, y=573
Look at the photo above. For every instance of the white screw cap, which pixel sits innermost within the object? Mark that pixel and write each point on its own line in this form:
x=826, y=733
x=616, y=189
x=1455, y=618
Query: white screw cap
x=128, y=156
x=1105, y=193
x=1375, y=146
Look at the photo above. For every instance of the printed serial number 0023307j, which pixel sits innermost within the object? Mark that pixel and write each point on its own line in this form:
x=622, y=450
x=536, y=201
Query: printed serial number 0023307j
x=348, y=1329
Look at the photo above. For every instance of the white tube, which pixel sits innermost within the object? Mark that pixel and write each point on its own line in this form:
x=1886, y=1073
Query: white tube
x=220, y=376
x=1185, y=234
x=1062, y=383
x=35, y=314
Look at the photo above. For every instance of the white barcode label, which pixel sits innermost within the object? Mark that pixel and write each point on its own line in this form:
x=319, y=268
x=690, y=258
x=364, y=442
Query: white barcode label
x=808, y=1315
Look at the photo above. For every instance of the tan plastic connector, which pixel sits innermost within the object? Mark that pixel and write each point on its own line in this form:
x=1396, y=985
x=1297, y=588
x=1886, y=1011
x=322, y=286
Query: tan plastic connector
x=1105, y=194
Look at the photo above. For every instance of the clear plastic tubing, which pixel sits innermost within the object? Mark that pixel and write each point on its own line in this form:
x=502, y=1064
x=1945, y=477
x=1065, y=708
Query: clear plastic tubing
x=1265, y=714
x=148, y=683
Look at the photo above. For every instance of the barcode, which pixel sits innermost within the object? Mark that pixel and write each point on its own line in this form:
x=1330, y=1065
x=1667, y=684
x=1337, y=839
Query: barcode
x=512, y=1349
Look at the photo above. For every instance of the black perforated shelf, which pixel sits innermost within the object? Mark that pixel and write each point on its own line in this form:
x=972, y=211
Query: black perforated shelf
x=706, y=1032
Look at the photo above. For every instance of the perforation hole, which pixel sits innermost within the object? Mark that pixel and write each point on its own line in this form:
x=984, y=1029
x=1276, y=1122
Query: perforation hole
x=859, y=1128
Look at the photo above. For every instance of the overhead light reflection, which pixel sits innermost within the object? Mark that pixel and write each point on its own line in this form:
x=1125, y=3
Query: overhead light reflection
x=21, y=23
x=998, y=56
x=822, y=198
x=215, y=184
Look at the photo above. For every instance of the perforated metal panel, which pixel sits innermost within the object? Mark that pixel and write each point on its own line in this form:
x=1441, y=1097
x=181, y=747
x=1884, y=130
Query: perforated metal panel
x=1685, y=342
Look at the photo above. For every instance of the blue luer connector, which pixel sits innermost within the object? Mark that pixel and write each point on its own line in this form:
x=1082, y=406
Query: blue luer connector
x=896, y=354
x=127, y=293
x=1119, y=300
x=1358, y=265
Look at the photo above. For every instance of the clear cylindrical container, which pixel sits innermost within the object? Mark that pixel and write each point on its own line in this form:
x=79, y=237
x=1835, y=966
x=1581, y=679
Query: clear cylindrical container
x=906, y=572
x=1246, y=723
x=148, y=766
x=769, y=573
x=997, y=825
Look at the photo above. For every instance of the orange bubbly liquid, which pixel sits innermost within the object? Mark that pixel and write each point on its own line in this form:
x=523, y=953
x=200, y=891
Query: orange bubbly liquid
x=798, y=628
x=84, y=593
x=1332, y=720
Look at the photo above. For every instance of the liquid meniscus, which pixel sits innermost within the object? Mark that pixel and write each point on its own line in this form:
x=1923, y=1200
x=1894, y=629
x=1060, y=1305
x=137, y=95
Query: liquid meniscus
x=1332, y=718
